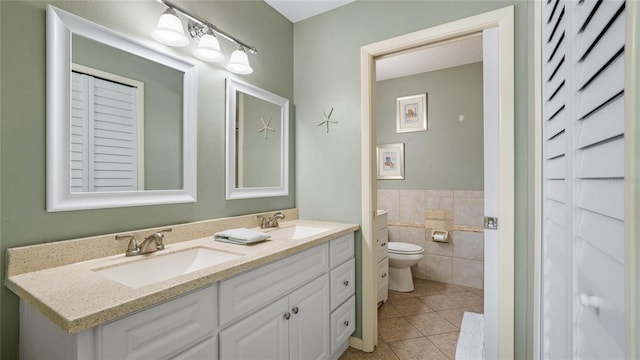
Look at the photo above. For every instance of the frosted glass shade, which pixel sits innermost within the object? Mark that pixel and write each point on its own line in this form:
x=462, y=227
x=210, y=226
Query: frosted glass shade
x=209, y=49
x=169, y=31
x=239, y=63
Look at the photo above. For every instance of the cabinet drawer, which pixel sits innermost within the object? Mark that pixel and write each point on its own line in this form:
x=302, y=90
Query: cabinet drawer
x=341, y=249
x=382, y=240
x=162, y=331
x=343, y=323
x=249, y=291
x=343, y=279
x=383, y=280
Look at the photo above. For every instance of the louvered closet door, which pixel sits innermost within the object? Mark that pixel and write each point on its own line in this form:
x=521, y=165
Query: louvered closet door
x=582, y=305
x=104, y=135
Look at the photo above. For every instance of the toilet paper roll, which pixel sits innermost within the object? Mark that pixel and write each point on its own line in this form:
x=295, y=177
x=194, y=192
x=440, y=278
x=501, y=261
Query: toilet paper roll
x=439, y=237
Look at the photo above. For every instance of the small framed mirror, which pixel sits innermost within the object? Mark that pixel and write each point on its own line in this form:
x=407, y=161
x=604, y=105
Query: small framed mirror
x=121, y=119
x=257, y=161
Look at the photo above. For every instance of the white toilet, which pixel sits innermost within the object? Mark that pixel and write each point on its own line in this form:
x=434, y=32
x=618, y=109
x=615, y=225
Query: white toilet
x=402, y=256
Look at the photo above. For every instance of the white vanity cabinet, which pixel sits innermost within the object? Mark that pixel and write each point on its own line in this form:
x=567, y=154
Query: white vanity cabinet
x=382, y=241
x=183, y=328
x=285, y=310
x=301, y=306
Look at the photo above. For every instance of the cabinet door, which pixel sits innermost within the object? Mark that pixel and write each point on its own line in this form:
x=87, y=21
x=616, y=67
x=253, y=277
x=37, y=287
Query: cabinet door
x=309, y=323
x=162, y=331
x=207, y=349
x=263, y=335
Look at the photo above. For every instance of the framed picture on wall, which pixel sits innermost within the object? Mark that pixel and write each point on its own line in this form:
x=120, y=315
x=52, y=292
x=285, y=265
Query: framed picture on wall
x=411, y=113
x=390, y=161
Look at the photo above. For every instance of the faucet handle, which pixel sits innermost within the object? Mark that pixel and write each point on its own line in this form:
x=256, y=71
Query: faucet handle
x=159, y=243
x=133, y=248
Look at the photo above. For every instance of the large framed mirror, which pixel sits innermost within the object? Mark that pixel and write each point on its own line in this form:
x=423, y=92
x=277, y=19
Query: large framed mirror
x=121, y=119
x=257, y=161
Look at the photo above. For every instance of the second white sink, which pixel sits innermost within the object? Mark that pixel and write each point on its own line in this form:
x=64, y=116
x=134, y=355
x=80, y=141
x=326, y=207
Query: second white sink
x=148, y=271
x=297, y=231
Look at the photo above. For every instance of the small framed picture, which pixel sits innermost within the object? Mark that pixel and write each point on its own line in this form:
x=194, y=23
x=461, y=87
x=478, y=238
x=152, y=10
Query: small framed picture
x=390, y=161
x=411, y=113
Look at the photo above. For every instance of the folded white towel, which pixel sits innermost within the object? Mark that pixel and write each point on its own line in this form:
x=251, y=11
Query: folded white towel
x=241, y=236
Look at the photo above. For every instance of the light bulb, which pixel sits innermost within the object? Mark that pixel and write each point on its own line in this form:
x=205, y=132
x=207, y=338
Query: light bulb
x=209, y=49
x=239, y=63
x=169, y=30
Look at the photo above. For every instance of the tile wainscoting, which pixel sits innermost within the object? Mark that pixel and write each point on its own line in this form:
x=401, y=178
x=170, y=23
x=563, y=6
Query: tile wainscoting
x=413, y=214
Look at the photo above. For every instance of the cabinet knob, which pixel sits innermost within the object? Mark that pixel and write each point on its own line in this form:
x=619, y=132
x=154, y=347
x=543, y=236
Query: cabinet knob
x=383, y=244
x=346, y=323
x=287, y=315
x=295, y=309
x=346, y=283
x=384, y=275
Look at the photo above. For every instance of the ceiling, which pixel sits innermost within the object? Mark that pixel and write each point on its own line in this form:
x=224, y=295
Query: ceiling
x=430, y=58
x=298, y=10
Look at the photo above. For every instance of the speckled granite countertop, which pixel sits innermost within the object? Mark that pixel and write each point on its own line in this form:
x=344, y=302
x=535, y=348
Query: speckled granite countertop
x=76, y=298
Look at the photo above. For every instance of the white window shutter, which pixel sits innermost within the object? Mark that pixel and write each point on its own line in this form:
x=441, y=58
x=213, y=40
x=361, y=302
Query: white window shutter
x=582, y=313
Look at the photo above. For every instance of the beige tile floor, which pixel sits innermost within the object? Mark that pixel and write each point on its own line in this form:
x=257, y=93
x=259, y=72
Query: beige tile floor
x=423, y=324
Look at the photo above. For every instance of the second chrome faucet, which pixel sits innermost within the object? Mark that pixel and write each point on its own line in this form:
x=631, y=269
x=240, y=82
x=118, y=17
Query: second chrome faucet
x=151, y=243
x=270, y=222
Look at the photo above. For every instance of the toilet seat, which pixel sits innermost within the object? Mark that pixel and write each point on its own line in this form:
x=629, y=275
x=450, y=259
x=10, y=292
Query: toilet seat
x=398, y=247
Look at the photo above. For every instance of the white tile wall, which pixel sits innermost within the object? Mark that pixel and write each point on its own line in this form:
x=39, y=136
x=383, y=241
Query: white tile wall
x=414, y=213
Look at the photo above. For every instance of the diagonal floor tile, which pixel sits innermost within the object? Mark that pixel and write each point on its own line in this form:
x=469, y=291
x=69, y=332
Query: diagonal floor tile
x=446, y=343
x=440, y=302
x=431, y=324
x=454, y=316
x=416, y=349
x=397, y=329
x=411, y=306
x=386, y=311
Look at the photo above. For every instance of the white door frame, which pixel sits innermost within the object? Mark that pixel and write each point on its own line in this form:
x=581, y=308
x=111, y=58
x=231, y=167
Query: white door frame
x=503, y=19
x=632, y=177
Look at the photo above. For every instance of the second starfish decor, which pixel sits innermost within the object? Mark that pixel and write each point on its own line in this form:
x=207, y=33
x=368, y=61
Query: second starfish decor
x=265, y=127
x=327, y=119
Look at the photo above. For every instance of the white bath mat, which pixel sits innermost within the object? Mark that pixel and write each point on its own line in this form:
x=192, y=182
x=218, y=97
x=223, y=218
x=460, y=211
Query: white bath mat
x=471, y=339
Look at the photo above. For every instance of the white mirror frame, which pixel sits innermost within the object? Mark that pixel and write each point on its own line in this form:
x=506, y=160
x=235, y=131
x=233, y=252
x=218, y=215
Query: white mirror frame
x=60, y=26
x=233, y=192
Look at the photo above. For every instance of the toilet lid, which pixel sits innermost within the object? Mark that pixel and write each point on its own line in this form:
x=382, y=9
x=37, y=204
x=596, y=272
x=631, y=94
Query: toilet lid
x=404, y=248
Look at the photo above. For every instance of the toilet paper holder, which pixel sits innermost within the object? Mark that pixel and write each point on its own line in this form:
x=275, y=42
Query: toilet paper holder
x=440, y=235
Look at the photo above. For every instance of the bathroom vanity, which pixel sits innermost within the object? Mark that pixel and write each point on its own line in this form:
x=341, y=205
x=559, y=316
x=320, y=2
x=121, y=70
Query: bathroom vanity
x=291, y=297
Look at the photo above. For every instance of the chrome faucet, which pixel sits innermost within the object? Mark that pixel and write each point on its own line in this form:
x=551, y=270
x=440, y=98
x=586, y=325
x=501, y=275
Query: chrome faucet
x=151, y=243
x=271, y=222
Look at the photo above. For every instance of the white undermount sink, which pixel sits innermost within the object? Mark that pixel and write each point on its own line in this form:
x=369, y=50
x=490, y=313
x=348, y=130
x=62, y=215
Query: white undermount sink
x=159, y=268
x=297, y=231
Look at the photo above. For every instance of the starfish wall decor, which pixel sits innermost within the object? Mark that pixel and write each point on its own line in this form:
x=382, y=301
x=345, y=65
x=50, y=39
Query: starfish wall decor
x=327, y=119
x=265, y=127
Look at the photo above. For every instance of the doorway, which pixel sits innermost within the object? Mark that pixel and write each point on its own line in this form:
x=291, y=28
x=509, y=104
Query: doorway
x=499, y=339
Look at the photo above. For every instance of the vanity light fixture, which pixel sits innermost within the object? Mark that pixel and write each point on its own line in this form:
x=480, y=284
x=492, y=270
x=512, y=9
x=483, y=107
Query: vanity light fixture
x=239, y=62
x=170, y=32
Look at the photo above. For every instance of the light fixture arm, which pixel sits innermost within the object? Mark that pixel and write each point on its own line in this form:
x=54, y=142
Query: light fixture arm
x=215, y=29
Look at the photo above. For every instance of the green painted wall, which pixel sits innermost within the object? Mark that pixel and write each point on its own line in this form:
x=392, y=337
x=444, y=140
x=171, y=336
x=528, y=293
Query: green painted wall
x=162, y=107
x=22, y=110
x=327, y=74
x=449, y=155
